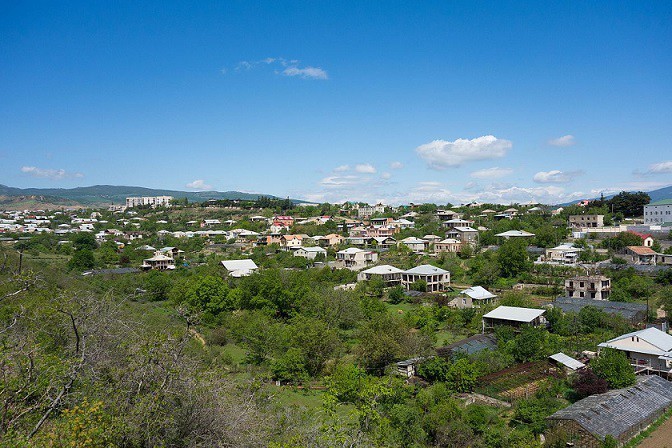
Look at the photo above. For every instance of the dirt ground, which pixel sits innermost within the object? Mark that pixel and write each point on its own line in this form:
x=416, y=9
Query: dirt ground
x=660, y=438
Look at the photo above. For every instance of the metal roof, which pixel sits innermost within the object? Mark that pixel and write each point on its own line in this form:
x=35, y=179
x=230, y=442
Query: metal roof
x=478, y=292
x=383, y=269
x=239, y=265
x=473, y=344
x=426, y=269
x=514, y=313
x=652, y=335
x=514, y=233
x=567, y=361
x=630, y=311
x=618, y=411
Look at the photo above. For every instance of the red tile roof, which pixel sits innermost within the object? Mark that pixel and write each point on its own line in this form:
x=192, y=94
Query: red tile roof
x=642, y=250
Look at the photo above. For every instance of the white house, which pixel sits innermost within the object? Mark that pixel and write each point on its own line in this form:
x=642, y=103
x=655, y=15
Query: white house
x=416, y=244
x=473, y=297
x=161, y=261
x=310, y=252
x=390, y=274
x=515, y=234
x=436, y=278
x=648, y=350
x=355, y=259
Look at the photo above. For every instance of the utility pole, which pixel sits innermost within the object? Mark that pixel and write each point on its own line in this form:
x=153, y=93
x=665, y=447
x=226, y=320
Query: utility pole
x=20, y=261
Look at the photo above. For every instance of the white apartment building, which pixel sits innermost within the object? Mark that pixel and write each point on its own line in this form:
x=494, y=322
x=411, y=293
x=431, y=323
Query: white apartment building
x=153, y=201
x=657, y=213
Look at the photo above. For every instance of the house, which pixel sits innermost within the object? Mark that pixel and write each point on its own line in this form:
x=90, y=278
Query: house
x=473, y=297
x=590, y=287
x=333, y=239
x=448, y=245
x=283, y=220
x=389, y=274
x=210, y=222
x=468, y=346
x=355, y=259
x=567, y=362
x=658, y=213
x=465, y=235
x=632, y=312
x=408, y=367
x=452, y=223
x=174, y=252
x=381, y=221
x=647, y=238
x=240, y=268
x=515, y=234
x=416, y=244
x=310, y=252
x=649, y=350
x=291, y=242
x=403, y=224
x=620, y=413
x=432, y=238
x=446, y=215
x=641, y=255
x=161, y=261
x=584, y=221
x=437, y=279
x=382, y=242
x=513, y=316
x=564, y=253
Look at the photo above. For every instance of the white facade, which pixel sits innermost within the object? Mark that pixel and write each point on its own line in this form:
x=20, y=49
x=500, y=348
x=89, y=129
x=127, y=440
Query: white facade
x=153, y=201
x=657, y=213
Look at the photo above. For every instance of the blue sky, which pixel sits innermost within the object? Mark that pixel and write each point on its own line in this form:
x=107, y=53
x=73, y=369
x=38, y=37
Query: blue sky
x=393, y=101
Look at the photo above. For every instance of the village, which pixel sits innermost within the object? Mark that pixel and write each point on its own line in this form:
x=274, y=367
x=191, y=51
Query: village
x=560, y=309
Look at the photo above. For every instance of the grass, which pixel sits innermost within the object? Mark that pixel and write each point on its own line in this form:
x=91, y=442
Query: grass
x=445, y=337
x=404, y=307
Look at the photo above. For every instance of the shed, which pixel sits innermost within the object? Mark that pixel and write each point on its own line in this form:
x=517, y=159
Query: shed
x=469, y=346
x=620, y=413
x=633, y=312
x=239, y=268
x=513, y=316
x=567, y=362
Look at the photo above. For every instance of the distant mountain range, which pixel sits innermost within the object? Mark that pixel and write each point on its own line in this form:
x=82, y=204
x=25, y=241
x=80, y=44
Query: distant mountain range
x=655, y=195
x=110, y=194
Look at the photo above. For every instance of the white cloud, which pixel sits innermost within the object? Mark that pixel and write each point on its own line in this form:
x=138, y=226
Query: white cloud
x=396, y=165
x=661, y=167
x=555, y=176
x=342, y=168
x=366, y=168
x=441, y=154
x=47, y=173
x=341, y=181
x=563, y=142
x=282, y=66
x=386, y=175
x=199, y=184
x=491, y=173
x=306, y=72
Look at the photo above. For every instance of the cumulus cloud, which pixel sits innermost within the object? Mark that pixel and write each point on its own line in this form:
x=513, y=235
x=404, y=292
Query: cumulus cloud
x=441, y=154
x=491, y=173
x=396, y=165
x=342, y=168
x=563, y=142
x=555, y=176
x=306, y=72
x=661, y=167
x=48, y=173
x=366, y=168
x=199, y=184
x=386, y=175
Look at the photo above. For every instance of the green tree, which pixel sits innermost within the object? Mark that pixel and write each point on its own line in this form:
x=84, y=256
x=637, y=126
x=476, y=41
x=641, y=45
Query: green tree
x=462, y=375
x=530, y=344
x=614, y=367
x=396, y=295
x=629, y=204
x=434, y=369
x=290, y=367
x=512, y=257
x=81, y=260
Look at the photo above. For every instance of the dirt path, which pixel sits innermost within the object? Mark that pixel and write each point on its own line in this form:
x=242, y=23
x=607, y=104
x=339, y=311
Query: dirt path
x=660, y=438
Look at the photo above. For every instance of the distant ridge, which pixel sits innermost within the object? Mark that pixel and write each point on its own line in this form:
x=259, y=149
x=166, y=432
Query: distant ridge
x=117, y=194
x=655, y=195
